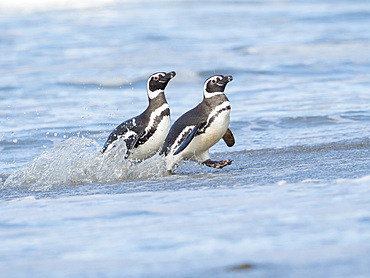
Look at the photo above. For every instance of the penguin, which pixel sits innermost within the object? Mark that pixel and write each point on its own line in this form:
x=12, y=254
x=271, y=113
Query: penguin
x=145, y=133
x=191, y=136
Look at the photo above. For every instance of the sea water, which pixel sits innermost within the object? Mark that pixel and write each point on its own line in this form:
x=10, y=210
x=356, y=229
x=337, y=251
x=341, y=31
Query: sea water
x=295, y=202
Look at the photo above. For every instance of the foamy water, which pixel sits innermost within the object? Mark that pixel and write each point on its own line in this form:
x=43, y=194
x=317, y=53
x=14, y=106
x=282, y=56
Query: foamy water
x=295, y=200
x=77, y=161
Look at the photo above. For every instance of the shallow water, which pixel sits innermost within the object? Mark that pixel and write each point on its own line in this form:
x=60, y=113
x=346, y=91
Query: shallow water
x=294, y=203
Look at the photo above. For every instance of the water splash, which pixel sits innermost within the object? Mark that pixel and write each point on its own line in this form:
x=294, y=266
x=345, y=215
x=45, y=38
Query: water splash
x=78, y=161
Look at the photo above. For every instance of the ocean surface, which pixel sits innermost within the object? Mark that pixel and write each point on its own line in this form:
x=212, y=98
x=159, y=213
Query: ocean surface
x=294, y=203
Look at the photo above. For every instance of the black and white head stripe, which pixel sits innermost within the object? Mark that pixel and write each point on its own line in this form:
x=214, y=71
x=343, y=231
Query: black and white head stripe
x=215, y=85
x=157, y=82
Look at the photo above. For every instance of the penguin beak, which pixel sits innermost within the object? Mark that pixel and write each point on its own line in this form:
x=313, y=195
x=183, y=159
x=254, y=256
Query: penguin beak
x=168, y=77
x=225, y=80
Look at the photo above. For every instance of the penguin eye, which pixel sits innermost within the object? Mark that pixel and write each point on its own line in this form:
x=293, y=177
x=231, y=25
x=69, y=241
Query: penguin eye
x=156, y=78
x=214, y=81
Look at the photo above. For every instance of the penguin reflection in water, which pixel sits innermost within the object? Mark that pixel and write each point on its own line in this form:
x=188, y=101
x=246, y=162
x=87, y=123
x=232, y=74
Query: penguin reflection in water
x=145, y=133
x=192, y=135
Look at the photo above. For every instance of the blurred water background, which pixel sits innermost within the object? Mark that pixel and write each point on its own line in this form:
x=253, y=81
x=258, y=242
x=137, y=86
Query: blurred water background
x=294, y=203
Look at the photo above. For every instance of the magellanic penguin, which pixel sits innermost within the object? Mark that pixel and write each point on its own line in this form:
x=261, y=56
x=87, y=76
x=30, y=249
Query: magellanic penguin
x=145, y=133
x=197, y=130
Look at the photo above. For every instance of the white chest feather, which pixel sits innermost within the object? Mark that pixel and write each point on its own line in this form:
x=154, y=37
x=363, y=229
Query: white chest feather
x=152, y=145
x=155, y=141
x=214, y=129
x=213, y=133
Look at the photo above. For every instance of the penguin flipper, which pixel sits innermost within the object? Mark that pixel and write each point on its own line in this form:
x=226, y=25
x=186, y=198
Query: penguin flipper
x=187, y=140
x=110, y=143
x=229, y=138
x=116, y=135
x=130, y=144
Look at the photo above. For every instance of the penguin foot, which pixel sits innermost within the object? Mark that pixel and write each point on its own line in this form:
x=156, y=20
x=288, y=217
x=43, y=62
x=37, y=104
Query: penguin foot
x=217, y=164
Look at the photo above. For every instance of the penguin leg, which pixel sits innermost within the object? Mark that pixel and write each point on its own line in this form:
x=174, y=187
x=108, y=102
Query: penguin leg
x=217, y=164
x=201, y=157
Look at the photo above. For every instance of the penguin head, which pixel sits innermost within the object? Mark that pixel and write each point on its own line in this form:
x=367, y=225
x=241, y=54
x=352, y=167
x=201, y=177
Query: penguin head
x=215, y=85
x=157, y=82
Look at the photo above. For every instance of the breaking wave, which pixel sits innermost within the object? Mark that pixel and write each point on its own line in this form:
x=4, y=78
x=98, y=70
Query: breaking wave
x=78, y=161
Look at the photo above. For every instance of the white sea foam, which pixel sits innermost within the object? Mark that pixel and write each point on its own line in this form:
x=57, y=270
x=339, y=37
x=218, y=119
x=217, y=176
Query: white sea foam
x=28, y=198
x=78, y=160
x=362, y=180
